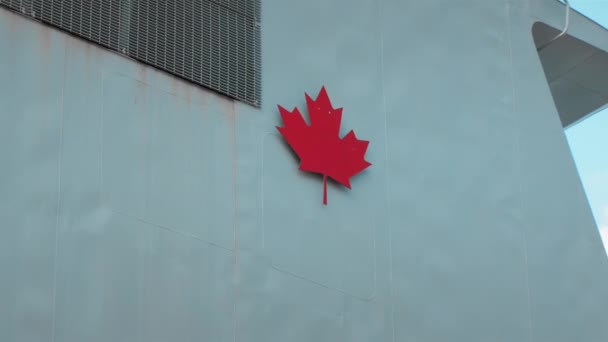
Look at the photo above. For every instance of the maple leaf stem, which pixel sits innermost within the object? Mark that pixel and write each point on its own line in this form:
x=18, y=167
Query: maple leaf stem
x=324, y=190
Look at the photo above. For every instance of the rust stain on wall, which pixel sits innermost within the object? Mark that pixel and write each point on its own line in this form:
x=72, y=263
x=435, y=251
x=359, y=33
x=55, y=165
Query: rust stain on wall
x=78, y=50
x=174, y=88
x=88, y=56
x=44, y=34
x=228, y=108
x=234, y=164
x=142, y=83
x=182, y=91
x=11, y=19
x=203, y=107
x=45, y=57
x=228, y=111
x=188, y=95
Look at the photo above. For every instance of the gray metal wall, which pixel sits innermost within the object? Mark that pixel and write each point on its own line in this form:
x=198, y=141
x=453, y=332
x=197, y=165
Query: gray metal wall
x=135, y=207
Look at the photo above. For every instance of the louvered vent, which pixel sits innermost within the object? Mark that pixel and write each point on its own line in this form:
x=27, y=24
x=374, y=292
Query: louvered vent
x=215, y=43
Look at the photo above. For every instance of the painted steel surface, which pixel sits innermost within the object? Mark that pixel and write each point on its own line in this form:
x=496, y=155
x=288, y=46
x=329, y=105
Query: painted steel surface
x=135, y=207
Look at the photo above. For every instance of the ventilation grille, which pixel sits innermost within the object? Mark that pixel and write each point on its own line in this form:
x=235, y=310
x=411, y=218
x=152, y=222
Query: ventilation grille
x=214, y=43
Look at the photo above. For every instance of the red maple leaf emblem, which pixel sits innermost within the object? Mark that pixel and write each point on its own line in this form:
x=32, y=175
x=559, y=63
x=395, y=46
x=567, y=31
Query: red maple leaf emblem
x=319, y=146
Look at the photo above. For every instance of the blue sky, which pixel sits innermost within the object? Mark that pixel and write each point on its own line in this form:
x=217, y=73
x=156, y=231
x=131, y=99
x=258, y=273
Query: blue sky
x=589, y=145
x=589, y=139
